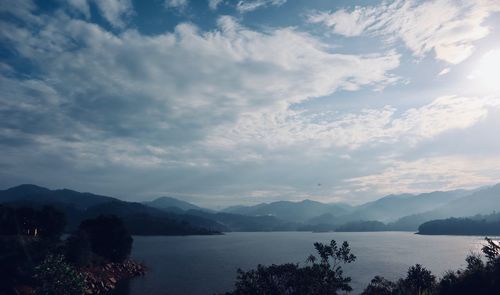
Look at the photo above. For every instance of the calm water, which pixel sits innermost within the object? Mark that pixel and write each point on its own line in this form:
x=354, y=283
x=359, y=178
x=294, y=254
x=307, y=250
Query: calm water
x=208, y=264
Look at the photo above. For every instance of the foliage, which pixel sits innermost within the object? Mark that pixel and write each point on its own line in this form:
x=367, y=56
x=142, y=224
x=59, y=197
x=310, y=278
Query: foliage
x=47, y=223
x=492, y=251
x=27, y=235
x=418, y=281
x=322, y=275
x=476, y=225
x=56, y=277
x=108, y=237
x=380, y=286
x=78, y=250
x=51, y=222
x=477, y=278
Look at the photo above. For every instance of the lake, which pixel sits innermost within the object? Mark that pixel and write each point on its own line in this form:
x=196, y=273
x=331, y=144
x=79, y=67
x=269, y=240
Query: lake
x=208, y=264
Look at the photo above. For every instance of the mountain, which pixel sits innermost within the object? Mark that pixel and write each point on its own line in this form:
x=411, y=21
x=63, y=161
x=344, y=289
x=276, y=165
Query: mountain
x=291, y=211
x=392, y=207
x=245, y=223
x=330, y=216
x=484, y=201
x=167, y=215
x=37, y=194
x=172, y=204
x=139, y=219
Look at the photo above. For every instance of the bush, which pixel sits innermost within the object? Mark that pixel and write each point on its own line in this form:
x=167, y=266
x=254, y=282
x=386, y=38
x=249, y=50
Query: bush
x=477, y=278
x=324, y=275
x=108, y=237
x=380, y=286
x=56, y=277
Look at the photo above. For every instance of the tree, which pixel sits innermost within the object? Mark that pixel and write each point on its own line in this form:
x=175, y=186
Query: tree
x=419, y=280
x=78, y=250
x=56, y=277
x=380, y=286
x=47, y=223
x=51, y=223
x=322, y=275
x=108, y=237
x=491, y=250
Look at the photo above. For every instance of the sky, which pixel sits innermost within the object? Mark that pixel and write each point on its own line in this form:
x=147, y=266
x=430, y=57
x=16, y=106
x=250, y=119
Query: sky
x=221, y=102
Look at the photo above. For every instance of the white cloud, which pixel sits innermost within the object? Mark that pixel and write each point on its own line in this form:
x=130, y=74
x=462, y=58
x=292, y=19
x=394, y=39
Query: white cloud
x=347, y=23
x=81, y=6
x=369, y=127
x=430, y=173
x=115, y=11
x=213, y=4
x=179, y=4
x=444, y=71
x=22, y=9
x=245, y=6
x=448, y=28
x=171, y=89
x=200, y=112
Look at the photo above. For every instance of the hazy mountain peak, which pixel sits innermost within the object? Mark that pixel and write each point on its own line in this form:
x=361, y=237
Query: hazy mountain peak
x=166, y=202
x=27, y=188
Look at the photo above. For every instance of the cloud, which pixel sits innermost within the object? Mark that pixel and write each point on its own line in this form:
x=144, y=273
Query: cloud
x=166, y=91
x=444, y=71
x=213, y=4
x=178, y=4
x=115, y=12
x=353, y=130
x=448, y=28
x=81, y=6
x=217, y=113
x=430, y=173
x=19, y=9
x=245, y=6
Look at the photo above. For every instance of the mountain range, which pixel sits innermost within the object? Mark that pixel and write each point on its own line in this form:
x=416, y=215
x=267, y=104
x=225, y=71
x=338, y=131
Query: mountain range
x=169, y=215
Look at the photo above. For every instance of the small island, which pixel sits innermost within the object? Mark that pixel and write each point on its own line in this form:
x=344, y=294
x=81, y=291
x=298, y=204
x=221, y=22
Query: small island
x=476, y=225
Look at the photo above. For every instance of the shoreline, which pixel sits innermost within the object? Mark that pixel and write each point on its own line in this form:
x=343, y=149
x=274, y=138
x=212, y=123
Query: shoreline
x=104, y=278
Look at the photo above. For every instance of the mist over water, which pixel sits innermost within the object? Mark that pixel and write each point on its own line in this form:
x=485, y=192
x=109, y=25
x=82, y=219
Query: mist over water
x=208, y=264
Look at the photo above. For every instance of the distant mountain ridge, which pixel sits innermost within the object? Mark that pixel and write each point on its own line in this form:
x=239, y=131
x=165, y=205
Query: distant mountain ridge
x=291, y=211
x=392, y=207
x=168, y=214
x=173, y=204
x=480, y=201
x=38, y=194
x=140, y=219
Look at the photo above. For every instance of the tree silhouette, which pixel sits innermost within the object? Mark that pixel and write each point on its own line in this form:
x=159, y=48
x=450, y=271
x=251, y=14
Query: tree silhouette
x=322, y=275
x=419, y=280
x=46, y=223
x=477, y=278
x=108, y=237
x=78, y=250
x=380, y=286
x=51, y=223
